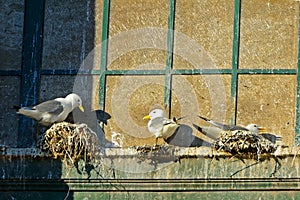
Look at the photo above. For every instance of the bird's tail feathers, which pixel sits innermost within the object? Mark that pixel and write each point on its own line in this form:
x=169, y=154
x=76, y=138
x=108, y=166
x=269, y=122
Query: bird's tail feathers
x=278, y=138
x=175, y=119
x=16, y=107
x=199, y=128
x=29, y=112
x=22, y=110
x=203, y=118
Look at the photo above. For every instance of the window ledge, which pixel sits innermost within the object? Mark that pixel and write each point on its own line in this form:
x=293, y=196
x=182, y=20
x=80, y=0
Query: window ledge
x=161, y=151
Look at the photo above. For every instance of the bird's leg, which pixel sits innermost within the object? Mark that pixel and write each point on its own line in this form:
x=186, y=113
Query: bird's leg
x=156, y=145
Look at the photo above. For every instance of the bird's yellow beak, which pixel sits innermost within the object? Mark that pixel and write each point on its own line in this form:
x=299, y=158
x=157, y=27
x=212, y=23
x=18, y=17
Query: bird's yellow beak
x=81, y=108
x=262, y=129
x=147, y=117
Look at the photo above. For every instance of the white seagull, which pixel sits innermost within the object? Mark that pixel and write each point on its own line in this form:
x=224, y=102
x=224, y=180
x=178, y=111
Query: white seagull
x=215, y=132
x=172, y=133
x=52, y=111
x=159, y=125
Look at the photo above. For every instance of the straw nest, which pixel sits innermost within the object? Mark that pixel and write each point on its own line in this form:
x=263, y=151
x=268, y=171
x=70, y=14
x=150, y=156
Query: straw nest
x=245, y=143
x=70, y=142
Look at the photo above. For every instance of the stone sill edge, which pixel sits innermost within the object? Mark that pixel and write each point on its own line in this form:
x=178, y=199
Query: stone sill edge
x=131, y=151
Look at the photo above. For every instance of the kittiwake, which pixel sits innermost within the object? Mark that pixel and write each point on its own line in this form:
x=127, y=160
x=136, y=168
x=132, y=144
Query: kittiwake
x=215, y=132
x=172, y=133
x=52, y=111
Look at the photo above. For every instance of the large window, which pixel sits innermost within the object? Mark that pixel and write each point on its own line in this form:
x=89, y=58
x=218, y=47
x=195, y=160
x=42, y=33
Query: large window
x=231, y=61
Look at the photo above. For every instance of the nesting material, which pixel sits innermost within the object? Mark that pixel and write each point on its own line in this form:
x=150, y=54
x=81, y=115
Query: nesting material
x=146, y=148
x=244, y=143
x=155, y=155
x=70, y=142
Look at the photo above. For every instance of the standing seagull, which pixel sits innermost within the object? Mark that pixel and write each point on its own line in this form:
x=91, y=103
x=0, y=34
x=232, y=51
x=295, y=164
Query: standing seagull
x=172, y=133
x=159, y=125
x=52, y=111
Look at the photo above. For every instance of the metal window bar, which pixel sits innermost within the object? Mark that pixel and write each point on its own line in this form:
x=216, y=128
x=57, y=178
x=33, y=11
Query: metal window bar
x=32, y=71
x=169, y=61
x=103, y=64
x=297, y=128
x=235, y=58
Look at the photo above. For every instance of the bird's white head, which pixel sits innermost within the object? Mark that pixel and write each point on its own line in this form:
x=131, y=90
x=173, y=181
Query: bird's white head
x=255, y=128
x=76, y=101
x=155, y=113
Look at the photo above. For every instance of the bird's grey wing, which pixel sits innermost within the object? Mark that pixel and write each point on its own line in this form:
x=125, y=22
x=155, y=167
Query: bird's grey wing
x=167, y=121
x=169, y=128
x=271, y=137
x=224, y=127
x=52, y=106
x=212, y=132
x=217, y=124
x=236, y=128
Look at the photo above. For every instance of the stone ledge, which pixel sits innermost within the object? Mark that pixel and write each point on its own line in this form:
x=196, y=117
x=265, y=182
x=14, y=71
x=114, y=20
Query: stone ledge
x=132, y=151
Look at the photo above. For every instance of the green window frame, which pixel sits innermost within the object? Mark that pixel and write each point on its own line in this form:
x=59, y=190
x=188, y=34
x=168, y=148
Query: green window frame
x=31, y=71
x=169, y=71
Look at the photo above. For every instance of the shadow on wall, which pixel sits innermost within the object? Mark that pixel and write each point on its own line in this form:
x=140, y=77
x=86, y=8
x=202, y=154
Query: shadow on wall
x=32, y=178
x=68, y=36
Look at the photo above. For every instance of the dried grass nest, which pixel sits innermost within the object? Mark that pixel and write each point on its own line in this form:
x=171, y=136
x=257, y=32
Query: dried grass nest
x=245, y=143
x=70, y=142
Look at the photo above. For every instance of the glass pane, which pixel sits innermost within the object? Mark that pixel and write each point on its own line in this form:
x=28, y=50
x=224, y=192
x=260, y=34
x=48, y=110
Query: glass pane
x=206, y=95
x=55, y=86
x=269, y=101
x=11, y=23
x=128, y=100
x=9, y=90
x=269, y=34
x=127, y=15
x=137, y=34
x=69, y=33
x=208, y=24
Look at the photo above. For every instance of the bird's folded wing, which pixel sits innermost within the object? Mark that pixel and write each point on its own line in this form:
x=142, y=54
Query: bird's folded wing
x=169, y=127
x=224, y=127
x=237, y=128
x=52, y=106
x=212, y=132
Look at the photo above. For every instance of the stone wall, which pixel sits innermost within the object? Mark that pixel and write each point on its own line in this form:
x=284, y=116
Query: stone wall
x=73, y=29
